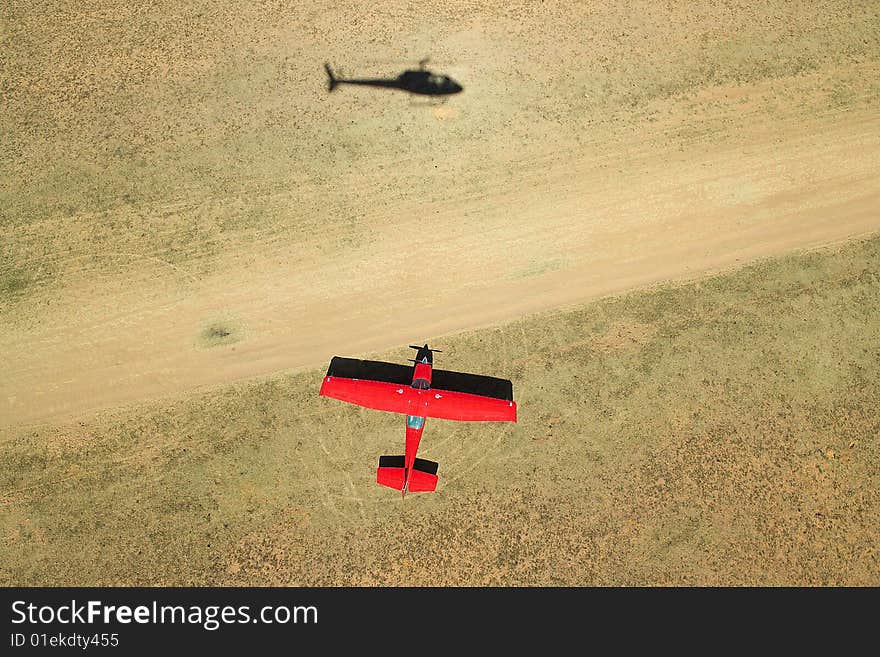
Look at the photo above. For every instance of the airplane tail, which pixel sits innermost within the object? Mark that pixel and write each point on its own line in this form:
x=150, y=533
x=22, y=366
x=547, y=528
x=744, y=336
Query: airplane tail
x=392, y=474
x=331, y=79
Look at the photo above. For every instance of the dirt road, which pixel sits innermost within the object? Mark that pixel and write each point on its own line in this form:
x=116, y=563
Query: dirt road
x=373, y=222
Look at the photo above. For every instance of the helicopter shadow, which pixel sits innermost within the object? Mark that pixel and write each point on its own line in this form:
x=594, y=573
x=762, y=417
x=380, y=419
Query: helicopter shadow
x=419, y=82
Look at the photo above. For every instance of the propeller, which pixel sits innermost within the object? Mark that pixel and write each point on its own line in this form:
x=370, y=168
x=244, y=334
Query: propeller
x=434, y=351
x=430, y=351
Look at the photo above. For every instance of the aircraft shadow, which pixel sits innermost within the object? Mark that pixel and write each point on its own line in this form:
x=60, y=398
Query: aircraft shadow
x=419, y=81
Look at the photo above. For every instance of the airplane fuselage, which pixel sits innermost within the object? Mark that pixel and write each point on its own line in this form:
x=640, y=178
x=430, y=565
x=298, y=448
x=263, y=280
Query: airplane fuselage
x=415, y=424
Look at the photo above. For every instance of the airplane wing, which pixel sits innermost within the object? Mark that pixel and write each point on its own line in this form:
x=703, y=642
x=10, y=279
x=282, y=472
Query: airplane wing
x=373, y=370
x=452, y=396
x=465, y=407
x=473, y=384
x=368, y=383
x=470, y=397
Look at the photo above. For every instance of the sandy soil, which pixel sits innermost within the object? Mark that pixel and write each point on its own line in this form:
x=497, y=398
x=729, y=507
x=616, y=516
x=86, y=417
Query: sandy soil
x=719, y=432
x=179, y=216
x=183, y=204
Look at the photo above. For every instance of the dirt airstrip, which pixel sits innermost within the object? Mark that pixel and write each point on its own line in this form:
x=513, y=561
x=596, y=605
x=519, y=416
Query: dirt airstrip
x=174, y=167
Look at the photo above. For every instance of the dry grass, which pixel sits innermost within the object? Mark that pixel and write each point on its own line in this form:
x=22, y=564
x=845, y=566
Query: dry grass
x=718, y=432
x=183, y=131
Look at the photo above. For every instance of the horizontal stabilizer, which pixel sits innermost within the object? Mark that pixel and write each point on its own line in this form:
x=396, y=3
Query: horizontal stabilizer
x=392, y=474
x=391, y=477
x=424, y=477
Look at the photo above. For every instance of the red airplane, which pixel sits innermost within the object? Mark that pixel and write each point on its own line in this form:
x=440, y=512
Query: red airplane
x=419, y=392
